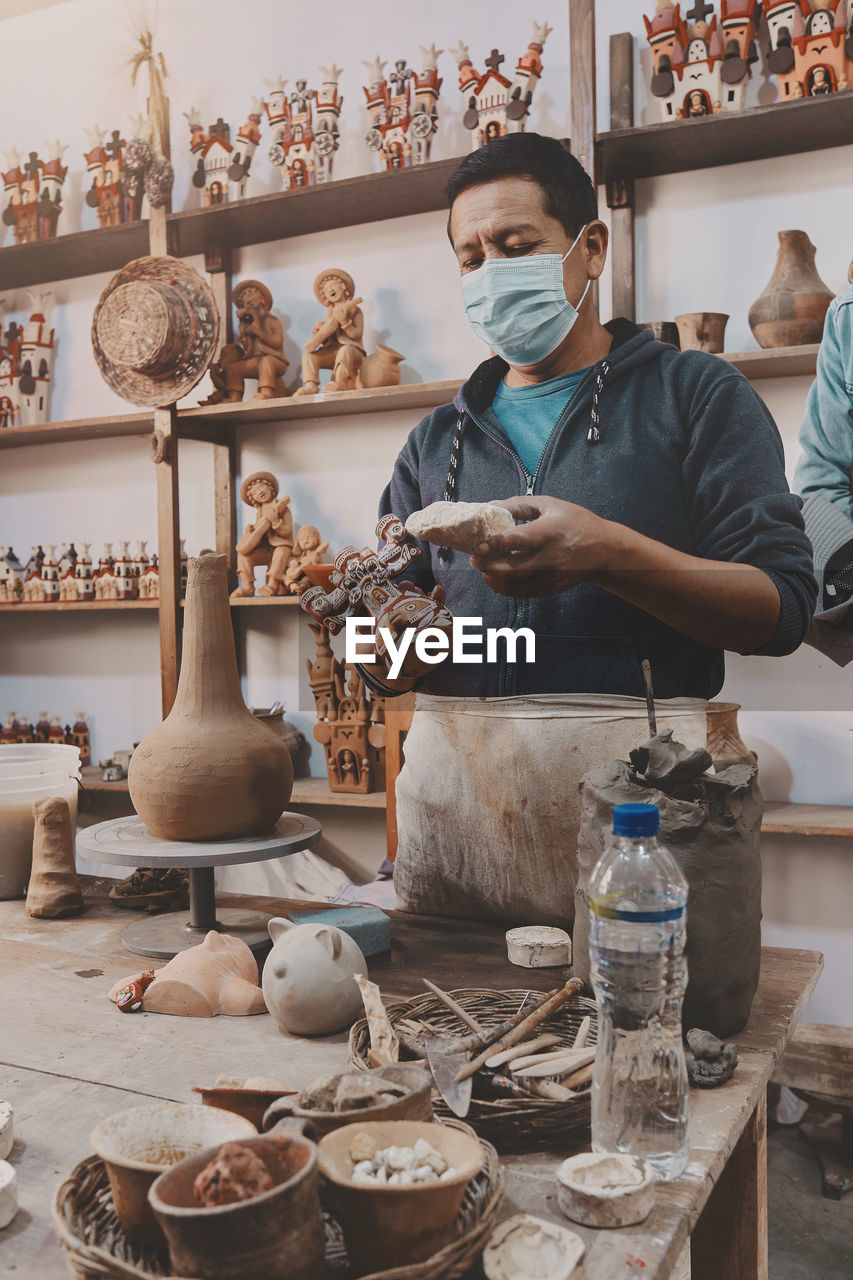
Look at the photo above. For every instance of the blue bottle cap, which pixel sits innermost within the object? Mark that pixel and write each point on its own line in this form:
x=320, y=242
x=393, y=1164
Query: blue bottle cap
x=636, y=820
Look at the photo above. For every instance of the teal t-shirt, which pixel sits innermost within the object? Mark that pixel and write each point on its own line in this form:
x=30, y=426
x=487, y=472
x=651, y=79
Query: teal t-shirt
x=528, y=415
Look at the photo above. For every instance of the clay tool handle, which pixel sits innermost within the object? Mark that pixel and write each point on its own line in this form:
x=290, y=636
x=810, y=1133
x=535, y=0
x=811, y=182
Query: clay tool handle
x=492, y=1035
x=521, y=1050
x=557, y=1066
x=525, y=1025
x=650, y=697
x=451, y=1004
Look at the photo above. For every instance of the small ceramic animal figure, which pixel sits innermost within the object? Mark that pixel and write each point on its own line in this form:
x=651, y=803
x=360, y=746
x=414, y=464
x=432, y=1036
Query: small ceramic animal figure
x=259, y=352
x=268, y=541
x=308, y=981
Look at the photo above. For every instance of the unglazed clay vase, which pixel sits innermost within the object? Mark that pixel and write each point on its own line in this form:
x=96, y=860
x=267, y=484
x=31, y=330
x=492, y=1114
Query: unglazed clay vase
x=702, y=331
x=211, y=770
x=791, y=310
x=725, y=745
x=308, y=978
x=381, y=369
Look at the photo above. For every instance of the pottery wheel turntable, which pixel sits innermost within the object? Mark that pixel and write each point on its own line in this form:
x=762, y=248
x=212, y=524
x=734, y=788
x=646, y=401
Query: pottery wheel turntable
x=127, y=842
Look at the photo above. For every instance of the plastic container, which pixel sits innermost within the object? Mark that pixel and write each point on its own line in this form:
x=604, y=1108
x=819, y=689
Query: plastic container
x=638, y=916
x=29, y=772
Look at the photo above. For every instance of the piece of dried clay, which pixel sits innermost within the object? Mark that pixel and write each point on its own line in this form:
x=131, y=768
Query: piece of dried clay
x=362, y=1147
x=262, y=1084
x=384, y=1045
x=537, y=946
x=601, y=1190
x=355, y=1091
x=226, y=1082
x=460, y=525
x=528, y=1248
x=712, y=1062
x=8, y=1193
x=235, y=1173
x=7, y=1129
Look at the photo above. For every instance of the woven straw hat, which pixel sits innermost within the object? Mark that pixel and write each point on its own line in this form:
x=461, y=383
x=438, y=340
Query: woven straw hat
x=327, y=275
x=241, y=289
x=155, y=331
x=258, y=475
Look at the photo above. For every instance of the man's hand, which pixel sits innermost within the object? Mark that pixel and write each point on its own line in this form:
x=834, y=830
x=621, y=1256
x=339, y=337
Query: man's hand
x=562, y=545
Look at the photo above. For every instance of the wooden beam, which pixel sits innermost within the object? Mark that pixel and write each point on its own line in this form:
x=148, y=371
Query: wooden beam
x=398, y=721
x=729, y=1241
x=582, y=69
x=819, y=1059
x=164, y=453
x=620, y=191
x=218, y=264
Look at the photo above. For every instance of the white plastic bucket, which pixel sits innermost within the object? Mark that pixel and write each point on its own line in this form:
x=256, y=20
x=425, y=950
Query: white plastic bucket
x=50, y=769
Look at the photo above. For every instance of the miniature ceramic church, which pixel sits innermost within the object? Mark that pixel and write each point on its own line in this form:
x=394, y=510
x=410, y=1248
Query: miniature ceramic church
x=494, y=105
x=811, y=46
x=222, y=167
x=701, y=66
x=104, y=164
x=33, y=191
x=305, y=128
x=26, y=370
x=403, y=109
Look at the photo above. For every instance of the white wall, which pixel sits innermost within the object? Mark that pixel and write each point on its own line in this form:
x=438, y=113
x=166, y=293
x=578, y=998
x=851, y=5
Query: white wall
x=706, y=241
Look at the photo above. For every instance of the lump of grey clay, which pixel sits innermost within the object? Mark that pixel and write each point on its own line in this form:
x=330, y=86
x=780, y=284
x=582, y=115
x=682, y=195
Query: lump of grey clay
x=669, y=765
x=460, y=525
x=713, y=1061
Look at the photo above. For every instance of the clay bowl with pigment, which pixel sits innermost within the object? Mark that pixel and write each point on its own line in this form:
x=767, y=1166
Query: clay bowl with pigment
x=278, y=1232
x=253, y=1104
x=138, y=1144
x=387, y=1227
x=318, y=574
x=416, y=1104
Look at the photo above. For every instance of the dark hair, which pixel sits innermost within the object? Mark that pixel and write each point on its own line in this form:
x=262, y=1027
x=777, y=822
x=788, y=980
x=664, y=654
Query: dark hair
x=566, y=186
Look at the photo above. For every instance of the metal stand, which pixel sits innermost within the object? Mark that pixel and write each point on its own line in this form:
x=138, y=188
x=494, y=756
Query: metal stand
x=127, y=842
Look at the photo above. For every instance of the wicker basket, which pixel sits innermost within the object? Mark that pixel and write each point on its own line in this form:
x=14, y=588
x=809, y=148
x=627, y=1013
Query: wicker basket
x=511, y=1123
x=98, y=1249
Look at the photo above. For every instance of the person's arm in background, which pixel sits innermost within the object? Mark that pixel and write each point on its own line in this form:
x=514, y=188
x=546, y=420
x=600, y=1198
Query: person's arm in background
x=826, y=436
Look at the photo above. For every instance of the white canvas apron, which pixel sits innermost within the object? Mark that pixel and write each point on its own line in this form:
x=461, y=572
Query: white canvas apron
x=488, y=805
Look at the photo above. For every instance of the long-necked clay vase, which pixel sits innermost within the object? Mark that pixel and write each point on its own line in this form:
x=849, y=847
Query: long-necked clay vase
x=211, y=770
x=791, y=310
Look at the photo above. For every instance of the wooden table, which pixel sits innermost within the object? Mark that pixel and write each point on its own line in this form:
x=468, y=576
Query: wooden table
x=68, y=1058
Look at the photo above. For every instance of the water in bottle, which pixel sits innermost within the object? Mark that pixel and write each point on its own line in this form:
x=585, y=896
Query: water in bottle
x=638, y=911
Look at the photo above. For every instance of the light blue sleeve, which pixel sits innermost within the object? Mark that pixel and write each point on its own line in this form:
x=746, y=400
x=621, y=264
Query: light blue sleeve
x=826, y=436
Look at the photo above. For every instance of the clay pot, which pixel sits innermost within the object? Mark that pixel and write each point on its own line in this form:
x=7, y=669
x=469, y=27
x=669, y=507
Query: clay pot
x=702, y=331
x=724, y=743
x=210, y=771
x=319, y=575
x=394, y=1226
x=791, y=310
x=295, y=741
x=381, y=369
x=308, y=978
x=278, y=1233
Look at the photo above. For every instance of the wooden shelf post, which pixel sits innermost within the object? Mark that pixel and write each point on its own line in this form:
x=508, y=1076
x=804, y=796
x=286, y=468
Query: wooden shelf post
x=218, y=264
x=620, y=191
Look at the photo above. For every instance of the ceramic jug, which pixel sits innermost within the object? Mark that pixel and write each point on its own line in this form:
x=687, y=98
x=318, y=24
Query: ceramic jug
x=308, y=981
x=791, y=310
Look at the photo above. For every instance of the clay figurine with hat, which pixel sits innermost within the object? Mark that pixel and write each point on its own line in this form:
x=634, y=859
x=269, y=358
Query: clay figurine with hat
x=155, y=330
x=258, y=352
x=268, y=541
x=336, y=343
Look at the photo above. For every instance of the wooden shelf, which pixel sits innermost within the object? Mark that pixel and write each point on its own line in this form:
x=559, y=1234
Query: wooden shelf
x=732, y=137
x=93, y=781
x=83, y=606
x=807, y=819
x=316, y=791
x=82, y=253
x=776, y=362
x=128, y=424
x=244, y=602
x=411, y=395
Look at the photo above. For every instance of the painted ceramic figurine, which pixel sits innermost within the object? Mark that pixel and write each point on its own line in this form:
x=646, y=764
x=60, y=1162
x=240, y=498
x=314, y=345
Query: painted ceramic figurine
x=26, y=368
x=268, y=540
x=403, y=109
x=336, y=342
x=350, y=721
x=701, y=66
x=222, y=167
x=811, y=46
x=494, y=105
x=305, y=128
x=258, y=352
x=33, y=190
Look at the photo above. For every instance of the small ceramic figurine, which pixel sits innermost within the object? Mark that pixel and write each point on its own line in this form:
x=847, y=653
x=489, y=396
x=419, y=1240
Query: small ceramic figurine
x=811, y=46
x=494, y=105
x=26, y=368
x=12, y=575
x=336, y=343
x=702, y=68
x=308, y=978
x=222, y=167
x=303, y=148
x=54, y=890
x=220, y=975
x=403, y=109
x=258, y=353
x=268, y=540
x=33, y=190
x=308, y=549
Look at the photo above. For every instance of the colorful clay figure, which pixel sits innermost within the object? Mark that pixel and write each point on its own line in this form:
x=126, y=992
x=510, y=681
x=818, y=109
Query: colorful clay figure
x=350, y=721
x=403, y=109
x=268, y=541
x=305, y=128
x=222, y=167
x=494, y=105
x=258, y=352
x=26, y=368
x=811, y=46
x=104, y=162
x=701, y=66
x=12, y=574
x=33, y=192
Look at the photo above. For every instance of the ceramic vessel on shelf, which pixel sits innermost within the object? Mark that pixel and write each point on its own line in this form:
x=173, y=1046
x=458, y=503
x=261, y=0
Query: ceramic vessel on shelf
x=724, y=742
x=702, y=331
x=211, y=770
x=791, y=310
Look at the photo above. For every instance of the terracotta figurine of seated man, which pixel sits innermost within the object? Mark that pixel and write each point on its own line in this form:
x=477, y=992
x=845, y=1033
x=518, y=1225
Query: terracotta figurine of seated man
x=268, y=541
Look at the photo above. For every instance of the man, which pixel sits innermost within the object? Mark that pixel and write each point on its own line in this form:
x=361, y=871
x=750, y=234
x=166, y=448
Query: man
x=656, y=523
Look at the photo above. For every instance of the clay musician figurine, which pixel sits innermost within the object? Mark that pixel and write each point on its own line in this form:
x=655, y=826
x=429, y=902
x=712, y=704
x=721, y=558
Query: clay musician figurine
x=336, y=342
x=308, y=549
x=269, y=541
x=258, y=353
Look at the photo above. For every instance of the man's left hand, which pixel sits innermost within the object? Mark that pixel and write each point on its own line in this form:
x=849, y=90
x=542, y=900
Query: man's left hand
x=561, y=545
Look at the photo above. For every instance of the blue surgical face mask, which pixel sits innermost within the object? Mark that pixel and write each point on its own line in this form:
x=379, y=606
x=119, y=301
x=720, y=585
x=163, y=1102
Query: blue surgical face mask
x=519, y=305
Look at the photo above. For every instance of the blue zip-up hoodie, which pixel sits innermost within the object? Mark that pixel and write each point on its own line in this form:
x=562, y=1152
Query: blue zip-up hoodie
x=676, y=445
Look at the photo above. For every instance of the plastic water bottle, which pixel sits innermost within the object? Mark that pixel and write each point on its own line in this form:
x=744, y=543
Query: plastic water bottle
x=638, y=912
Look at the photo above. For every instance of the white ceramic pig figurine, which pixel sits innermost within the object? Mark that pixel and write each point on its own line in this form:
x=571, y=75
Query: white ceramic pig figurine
x=308, y=981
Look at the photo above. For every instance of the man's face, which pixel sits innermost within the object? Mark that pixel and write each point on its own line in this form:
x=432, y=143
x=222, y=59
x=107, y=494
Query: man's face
x=507, y=218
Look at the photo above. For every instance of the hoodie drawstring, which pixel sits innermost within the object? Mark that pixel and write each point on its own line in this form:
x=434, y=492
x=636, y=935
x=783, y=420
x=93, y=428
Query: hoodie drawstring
x=593, y=435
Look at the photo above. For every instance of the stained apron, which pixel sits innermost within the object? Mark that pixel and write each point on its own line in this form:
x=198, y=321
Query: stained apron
x=488, y=802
